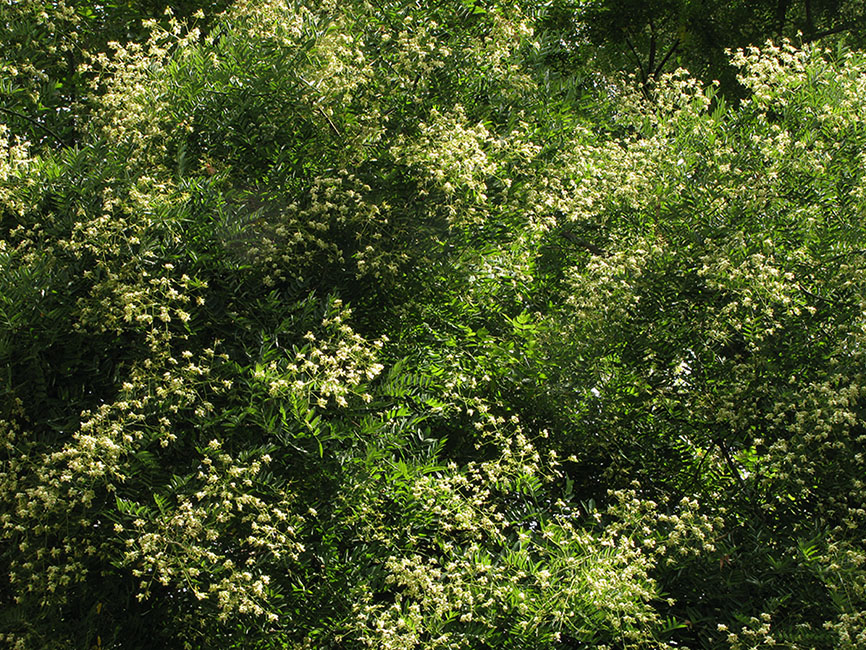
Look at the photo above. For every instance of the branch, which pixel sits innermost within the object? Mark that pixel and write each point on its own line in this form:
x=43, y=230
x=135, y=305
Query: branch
x=34, y=123
x=823, y=299
x=333, y=126
x=810, y=24
x=730, y=463
x=781, y=13
x=574, y=239
x=701, y=464
x=319, y=108
x=835, y=30
x=661, y=65
x=643, y=75
x=652, y=52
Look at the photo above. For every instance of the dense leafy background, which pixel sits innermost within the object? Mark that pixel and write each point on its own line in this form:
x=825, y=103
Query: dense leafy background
x=464, y=325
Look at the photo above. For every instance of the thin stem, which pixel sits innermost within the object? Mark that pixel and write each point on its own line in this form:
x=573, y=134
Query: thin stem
x=34, y=123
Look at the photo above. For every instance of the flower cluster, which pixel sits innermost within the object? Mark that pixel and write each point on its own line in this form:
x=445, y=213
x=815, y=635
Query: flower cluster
x=183, y=546
x=329, y=367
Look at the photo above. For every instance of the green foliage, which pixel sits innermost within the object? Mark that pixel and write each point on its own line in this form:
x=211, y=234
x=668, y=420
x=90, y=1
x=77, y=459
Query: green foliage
x=649, y=39
x=45, y=86
x=369, y=325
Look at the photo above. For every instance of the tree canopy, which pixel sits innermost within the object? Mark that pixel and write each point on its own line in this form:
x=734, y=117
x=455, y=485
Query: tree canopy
x=380, y=325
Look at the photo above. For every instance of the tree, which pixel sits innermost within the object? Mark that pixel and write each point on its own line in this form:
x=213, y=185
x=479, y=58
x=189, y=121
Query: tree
x=649, y=39
x=710, y=344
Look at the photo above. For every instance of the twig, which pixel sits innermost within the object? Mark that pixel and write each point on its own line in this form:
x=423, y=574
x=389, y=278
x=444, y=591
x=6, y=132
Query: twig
x=333, y=126
x=33, y=122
